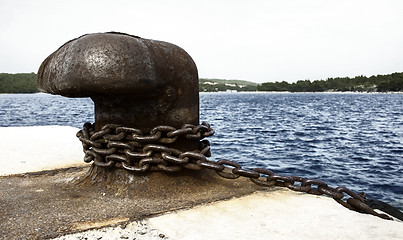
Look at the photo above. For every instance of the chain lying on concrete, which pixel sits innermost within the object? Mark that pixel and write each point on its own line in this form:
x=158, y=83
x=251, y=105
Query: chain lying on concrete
x=129, y=148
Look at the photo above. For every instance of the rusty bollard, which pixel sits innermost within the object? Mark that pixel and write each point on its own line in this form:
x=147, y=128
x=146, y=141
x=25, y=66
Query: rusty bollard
x=139, y=84
x=133, y=82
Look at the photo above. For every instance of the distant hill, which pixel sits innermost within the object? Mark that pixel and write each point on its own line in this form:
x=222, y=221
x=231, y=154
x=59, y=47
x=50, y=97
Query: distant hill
x=380, y=83
x=18, y=83
x=222, y=85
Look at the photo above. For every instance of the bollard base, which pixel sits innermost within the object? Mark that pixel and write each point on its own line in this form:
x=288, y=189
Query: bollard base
x=187, y=183
x=54, y=203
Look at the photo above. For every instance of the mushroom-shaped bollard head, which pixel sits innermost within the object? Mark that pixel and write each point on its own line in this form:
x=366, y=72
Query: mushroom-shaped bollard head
x=133, y=82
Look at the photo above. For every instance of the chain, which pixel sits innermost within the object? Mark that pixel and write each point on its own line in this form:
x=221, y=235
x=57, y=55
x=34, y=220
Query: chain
x=131, y=149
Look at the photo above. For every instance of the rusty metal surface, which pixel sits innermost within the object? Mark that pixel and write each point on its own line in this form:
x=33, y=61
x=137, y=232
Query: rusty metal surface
x=50, y=204
x=133, y=81
x=115, y=63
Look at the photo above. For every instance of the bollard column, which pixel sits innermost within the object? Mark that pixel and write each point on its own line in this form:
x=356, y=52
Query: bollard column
x=146, y=99
x=134, y=82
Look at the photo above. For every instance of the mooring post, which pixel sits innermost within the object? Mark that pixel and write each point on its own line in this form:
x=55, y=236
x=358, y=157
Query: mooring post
x=134, y=82
x=146, y=99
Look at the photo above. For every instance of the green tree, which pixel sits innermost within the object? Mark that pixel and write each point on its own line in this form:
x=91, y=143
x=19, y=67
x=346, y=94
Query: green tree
x=18, y=83
x=381, y=83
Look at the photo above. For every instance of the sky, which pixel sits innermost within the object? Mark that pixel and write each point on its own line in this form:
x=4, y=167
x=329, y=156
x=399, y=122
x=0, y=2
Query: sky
x=253, y=40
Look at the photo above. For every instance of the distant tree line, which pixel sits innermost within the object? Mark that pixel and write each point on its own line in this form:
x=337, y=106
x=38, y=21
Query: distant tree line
x=380, y=83
x=18, y=83
x=26, y=83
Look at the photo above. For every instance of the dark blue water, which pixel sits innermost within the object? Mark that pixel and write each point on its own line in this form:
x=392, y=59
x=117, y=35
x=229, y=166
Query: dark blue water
x=352, y=140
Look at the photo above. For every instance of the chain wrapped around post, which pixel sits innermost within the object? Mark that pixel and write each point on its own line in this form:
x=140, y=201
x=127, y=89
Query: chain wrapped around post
x=131, y=149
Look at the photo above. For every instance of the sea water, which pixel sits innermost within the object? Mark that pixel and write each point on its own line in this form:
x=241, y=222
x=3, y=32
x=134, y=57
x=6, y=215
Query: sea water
x=352, y=140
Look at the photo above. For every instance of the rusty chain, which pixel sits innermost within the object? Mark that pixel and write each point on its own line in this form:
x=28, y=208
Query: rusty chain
x=131, y=149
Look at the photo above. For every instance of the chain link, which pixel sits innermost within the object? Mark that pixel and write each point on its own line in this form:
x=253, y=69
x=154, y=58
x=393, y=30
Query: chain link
x=131, y=149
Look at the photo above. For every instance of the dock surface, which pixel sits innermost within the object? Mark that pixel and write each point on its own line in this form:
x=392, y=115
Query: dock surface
x=44, y=205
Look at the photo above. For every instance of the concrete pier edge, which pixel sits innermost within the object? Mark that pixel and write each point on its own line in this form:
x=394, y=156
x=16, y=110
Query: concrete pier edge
x=54, y=155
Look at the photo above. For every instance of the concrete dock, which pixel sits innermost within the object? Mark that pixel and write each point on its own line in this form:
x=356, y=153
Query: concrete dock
x=45, y=206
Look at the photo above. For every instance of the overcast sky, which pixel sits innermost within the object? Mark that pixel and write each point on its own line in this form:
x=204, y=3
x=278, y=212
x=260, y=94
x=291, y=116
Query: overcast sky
x=255, y=40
